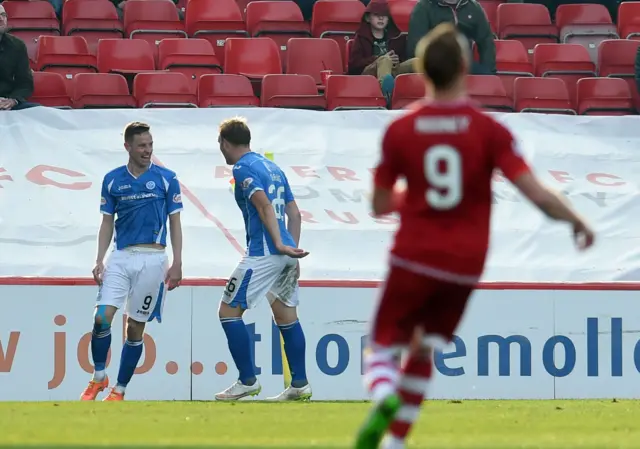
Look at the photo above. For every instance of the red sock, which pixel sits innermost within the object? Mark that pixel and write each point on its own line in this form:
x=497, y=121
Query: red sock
x=381, y=372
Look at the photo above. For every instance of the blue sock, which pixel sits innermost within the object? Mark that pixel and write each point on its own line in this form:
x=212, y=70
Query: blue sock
x=240, y=348
x=294, y=348
x=131, y=352
x=100, y=344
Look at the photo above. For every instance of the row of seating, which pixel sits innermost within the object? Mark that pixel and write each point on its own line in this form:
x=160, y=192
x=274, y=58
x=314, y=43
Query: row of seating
x=595, y=96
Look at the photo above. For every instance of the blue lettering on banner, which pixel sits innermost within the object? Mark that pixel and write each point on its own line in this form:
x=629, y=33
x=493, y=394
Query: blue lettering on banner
x=494, y=353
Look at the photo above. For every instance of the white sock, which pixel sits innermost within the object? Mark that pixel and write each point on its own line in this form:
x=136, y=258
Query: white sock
x=391, y=442
x=120, y=389
x=99, y=376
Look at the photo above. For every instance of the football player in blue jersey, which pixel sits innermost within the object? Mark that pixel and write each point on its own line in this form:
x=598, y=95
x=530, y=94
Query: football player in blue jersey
x=137, y=274
x=269, y=267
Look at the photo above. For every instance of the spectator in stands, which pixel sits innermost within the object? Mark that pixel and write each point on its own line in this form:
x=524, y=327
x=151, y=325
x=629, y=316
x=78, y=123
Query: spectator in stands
x=119, y=4
x=16, y=79
x=469, y=18
x=378, y=47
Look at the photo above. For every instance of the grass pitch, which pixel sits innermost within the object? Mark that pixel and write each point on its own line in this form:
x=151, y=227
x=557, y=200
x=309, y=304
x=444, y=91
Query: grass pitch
x=443, y=424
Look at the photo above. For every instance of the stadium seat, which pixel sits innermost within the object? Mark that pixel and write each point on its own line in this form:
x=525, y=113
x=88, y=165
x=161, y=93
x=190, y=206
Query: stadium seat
x=345, y=55
x=629, y=20
x=512, y=62
x=49, y=89
x=309, y=56
x=409, y=87
x=91, y=19
x=101, y=91
x=253, y=58
x=336, y=19
x=278, y=20
x=163, y=89
x=604, y=96
x=543, y=95
x=528, y=23
x=225, y=91
x=291, y=91
x=490, y=8
x=616, y=59
x=215, y=21
x=489, y=92
x=401, y=10
x=191, y=57
x=353, y=92
x=126, y=56
x=585, y=24
x=30, y=20
x=152, y=20
x=66, y=55
x=569, y=62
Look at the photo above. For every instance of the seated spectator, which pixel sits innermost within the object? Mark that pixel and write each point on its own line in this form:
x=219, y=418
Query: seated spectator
x=469, y=18
x=378, y=47
x=119, y=4
x=16, y=80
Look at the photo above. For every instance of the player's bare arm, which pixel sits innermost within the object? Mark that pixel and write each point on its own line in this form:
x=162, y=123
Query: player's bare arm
x=294, y=220
x=555, y=206
x=104, y=240
x=174, y=275
x=387, y=201
x=268, y=217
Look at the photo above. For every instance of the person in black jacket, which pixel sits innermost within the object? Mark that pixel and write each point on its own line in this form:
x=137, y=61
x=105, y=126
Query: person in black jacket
x=16, y=80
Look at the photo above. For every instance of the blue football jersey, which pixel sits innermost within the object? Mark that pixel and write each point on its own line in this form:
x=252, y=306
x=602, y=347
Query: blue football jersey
x=254, y=172
x=141, y=205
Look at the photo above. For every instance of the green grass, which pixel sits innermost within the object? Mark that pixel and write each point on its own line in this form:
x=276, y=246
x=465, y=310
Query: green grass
x=443, y=424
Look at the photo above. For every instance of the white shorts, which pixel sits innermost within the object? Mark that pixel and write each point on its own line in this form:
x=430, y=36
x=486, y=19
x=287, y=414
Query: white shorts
x=255, y=277
x=135, y=277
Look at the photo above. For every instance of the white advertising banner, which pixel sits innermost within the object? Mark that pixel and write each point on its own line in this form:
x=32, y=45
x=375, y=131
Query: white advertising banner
x=52, y=163
x=512, y=344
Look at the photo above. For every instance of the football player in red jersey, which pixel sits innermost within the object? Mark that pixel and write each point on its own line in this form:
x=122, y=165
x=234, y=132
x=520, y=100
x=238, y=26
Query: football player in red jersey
x=447, y=151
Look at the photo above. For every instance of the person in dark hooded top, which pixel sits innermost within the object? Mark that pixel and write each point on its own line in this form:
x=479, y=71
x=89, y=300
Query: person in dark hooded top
x=379, y=48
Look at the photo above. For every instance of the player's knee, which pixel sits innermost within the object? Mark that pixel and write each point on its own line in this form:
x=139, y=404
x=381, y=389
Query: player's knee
x=283, y=314
x=226, y=311
x=102, y=318
x=135, y=330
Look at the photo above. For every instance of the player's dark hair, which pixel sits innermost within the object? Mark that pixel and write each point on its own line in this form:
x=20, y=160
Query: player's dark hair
x=134, y=129
x=235, y=131
x=441, y=56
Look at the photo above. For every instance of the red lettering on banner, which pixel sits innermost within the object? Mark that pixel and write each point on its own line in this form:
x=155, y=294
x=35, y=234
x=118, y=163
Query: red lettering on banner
x=307, y=217
x=385, y=219
x=222, y=172
x=304, y=171
x=350, y=218
x=7, y=357
x=342, y=174
x=37, y=176
x=594, y=179
x=561, y=176
x=4, y=177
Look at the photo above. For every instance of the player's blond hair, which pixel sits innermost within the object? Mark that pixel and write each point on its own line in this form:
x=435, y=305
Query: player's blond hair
x=135, y=128
x=235, y=131
x=440, y=56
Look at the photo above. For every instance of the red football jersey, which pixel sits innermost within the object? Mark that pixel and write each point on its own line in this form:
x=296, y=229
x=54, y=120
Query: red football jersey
x=447, y=153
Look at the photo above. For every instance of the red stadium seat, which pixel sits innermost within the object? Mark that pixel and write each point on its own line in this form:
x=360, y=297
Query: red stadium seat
x=629, y=20
x=291, y=91
x=512, y=62
x=215, y=21
x=66, y=55
x=345, y=55
x=91, y=19
x=400, y=11
x=489, y=92
x=191, y=57
x=490, y=8
x=543, y=95
x=354, y=92
x=409, y=87
x=253, y=58
x=309, y=56
x=152, y=20
x=526, y=22
x=278, y=20
x=336, y=19
x=101, y=91
x=49, y=89
x=225, y=91
x=616, y=59
x=569, y=62
x=585, y=24
x=30, y=20
x=125, y=56
x=604, y=96
x=163, y=89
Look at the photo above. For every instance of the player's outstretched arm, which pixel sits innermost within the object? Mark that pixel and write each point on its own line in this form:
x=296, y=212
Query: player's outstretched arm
x=104, y=240
x=174, y=275
x=555, y=206
x=268, y=217
x=294, y=220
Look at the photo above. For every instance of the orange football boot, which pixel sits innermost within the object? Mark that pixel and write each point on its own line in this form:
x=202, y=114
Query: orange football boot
x=114, y=396
x=93, y=389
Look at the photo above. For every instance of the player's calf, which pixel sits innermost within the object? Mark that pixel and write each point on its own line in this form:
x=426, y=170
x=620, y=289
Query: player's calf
x=286, y=318
x=100, y=344
x=131, y=353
